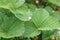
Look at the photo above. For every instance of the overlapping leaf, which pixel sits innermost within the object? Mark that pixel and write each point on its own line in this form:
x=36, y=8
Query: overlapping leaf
x=18, y=23
x=11, y=3
x=56, y=2
x=10, y=26
x=44, y=21
x=23, y=13
x=30, y=30
x=53, y=13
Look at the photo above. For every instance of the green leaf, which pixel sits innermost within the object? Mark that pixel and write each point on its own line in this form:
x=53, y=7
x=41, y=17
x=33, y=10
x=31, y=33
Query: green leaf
x=32, y=7
x=56, y=15
x=49, y=9
x=23, y=13
x=10, y=26
x=49, y=24
x=30, y=30
x=11, y=3
x=56, y=2
x=44, y=21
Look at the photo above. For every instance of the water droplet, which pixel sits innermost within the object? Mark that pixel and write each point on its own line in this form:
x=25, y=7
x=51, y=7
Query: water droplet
x=29, y=17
